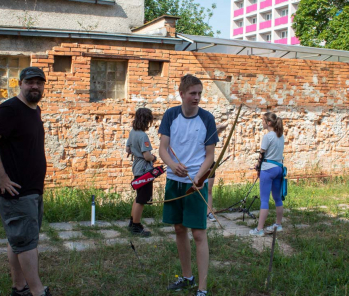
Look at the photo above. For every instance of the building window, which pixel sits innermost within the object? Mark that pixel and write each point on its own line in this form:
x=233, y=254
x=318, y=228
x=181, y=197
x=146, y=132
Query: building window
x=253, y=1
x=284, y=12
x=284, y=34
x=268, y=16
x=108, y=80
x=254, y=20
x=241, y=24
x=268, y=37
x=62, y=64
x=155, y=68
x=241, y=5
x=10, y=67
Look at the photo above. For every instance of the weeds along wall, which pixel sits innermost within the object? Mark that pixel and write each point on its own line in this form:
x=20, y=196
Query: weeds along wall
x=86, y=136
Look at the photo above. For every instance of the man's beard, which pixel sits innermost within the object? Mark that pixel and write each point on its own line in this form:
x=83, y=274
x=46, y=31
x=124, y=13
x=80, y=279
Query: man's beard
x=33, y=98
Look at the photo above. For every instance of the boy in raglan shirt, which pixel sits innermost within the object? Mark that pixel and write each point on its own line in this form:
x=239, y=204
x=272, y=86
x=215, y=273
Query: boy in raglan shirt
x=191, y=132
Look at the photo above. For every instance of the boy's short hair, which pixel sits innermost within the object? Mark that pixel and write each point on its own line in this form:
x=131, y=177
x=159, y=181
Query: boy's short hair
x=188, y=81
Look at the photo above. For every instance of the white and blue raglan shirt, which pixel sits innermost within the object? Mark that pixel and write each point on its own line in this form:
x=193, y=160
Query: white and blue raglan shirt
x=189, y=137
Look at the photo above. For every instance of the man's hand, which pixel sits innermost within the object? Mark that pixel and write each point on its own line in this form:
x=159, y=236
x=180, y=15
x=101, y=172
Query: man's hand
x=7, y=185
x=179, y=170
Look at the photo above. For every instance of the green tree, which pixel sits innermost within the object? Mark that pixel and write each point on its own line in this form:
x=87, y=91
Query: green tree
x=194, y=19
x=323, y=23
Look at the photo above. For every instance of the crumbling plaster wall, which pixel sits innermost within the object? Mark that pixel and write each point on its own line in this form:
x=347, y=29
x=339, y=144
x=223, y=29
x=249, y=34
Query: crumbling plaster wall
x=70, y=15
x=85, y=142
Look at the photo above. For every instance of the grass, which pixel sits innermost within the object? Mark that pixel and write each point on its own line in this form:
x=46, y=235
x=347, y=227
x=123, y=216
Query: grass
x=318, y=264
x=71, y=204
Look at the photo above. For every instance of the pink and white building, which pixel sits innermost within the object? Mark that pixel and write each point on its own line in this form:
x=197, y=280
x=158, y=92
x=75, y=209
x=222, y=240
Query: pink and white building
x=264, y=20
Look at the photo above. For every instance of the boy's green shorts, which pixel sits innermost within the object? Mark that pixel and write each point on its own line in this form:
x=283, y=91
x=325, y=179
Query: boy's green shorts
x=190, y=211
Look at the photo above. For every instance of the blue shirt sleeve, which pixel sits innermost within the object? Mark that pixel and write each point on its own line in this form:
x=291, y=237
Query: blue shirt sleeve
x=165, y=125
x=210, y=124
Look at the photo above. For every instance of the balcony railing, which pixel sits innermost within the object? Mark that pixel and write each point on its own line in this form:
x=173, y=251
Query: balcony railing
x=238, y=31
x=239, y=12
x=251, y=8
x=264, y=25
x=280, y=1
x=266, y=3
x=281, y=20
x=251, y=28
x=281, y=41
x=295, y=40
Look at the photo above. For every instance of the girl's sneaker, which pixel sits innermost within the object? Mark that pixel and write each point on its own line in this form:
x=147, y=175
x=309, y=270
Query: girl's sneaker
x=211, y=217
x=182, y=283
x=256, y=232
x=201, y=293
x=270, y=229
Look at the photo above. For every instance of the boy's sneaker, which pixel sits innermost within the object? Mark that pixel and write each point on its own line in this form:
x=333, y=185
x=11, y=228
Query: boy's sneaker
x=24, y=292
x=270, y=229
x=211, y=217
x=46, y=292
x=182, y=283
x=137, y=228
x=200, y=293
x=256, y=232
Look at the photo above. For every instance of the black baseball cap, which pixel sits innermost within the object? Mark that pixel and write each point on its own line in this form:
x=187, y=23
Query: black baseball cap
x=32, y=72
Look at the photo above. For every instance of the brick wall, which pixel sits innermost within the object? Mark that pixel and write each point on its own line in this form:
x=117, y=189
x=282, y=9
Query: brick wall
x=85, y=141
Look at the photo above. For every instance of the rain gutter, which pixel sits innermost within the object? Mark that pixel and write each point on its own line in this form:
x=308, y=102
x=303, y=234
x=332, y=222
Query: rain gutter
x=87, y=35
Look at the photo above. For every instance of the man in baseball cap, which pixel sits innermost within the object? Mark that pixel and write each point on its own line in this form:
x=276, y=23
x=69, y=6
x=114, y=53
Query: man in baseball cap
x=22, y=174
x=32, y=72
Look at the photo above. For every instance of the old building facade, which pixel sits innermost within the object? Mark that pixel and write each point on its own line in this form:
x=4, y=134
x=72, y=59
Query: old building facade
x=96, y=79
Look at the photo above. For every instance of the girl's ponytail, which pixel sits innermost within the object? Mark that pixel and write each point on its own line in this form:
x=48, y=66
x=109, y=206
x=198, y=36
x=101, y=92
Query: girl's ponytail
x=279, y=128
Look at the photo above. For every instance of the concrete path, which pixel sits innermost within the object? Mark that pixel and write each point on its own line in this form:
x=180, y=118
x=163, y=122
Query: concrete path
x=81, y=236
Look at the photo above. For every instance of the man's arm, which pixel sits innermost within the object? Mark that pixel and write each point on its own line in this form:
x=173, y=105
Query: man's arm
x=178, y=169
x=6, y=183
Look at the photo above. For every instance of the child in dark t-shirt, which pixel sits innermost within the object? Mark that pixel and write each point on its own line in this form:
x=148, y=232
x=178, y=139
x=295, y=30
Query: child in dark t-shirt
x=138, y=144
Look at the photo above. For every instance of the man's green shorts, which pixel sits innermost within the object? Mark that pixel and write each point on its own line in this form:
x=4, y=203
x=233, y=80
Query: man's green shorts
x=190, y=211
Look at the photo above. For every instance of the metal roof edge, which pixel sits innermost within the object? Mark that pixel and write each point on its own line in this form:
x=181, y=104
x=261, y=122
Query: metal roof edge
x=88, y=35
x=263, y=45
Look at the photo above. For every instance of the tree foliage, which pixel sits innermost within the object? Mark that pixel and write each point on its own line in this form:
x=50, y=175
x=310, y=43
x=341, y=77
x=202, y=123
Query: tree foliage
x=323, y=23
x=194, y=19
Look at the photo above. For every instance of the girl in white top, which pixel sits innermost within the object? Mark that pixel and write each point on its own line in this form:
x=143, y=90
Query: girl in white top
x=270, y=174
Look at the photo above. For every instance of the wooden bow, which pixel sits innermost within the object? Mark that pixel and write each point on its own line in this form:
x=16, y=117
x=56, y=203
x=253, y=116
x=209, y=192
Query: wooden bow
x=196, y=188
x=216, y=164
x=219, y=159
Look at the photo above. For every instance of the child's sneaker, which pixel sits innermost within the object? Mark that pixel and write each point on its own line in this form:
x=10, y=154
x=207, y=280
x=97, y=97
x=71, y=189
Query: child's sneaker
x=182, y=283
x=24, y=292
x=256, y=232
x=137, y=228
x=46, y=292
x=211, y=217
x=270, y=229
x=200, y=293
x=130, y=223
